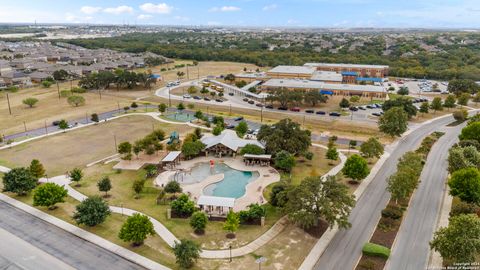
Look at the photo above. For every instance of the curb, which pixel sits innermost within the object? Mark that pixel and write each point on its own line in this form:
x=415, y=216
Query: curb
x=90, y=237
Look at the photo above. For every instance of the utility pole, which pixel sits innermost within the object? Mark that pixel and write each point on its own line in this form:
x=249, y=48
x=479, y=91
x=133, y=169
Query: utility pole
x=100, y=93
x=86, y=118
x=198, y=71
x=188, y=77
x=261, y=115
x=118, y=105
x=169, y=98
x=9, y=108
x=46, y=129
x=25, y=126
x=230, y=113
x=115, y=140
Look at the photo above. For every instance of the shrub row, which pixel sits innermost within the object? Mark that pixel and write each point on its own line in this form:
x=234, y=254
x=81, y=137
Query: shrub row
x=375, y=250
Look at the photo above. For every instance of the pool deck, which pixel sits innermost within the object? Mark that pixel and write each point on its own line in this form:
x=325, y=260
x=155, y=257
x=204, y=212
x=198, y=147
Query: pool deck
x=254, y=189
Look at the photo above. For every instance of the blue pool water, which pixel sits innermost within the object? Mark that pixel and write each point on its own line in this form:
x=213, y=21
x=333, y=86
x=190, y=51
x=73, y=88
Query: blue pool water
x=232, y=186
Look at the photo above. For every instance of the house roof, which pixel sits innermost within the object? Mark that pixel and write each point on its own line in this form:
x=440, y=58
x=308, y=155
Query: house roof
x=229, y=139
x=216, y=201
x=172, y=156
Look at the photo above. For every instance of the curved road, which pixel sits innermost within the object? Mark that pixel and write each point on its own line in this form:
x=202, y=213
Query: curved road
x=345, y=249
x=411, y=249
x=66, y=247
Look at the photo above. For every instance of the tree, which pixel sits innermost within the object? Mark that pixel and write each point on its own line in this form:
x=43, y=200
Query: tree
x=229, y=77
x=19, y=180
x=104, y=185
x=354, y=99
x=404, y=102
x=186, y=253
x=463, y=99
x=344, y=103
x=76, y=100
x=394, y=122
x=460, y=241
x=198, y=222
x=94, y=118
x=424, y=107
x=192, y=148
x=172, y=187
x=449, y=102
x=76, y=175
x=138, y=187
x=332, y=153
x=60, y=75
x=459, y=86
x=232, y=223
x=180, y=106
x=352, y=144
x=30, y=102
x=471, y=132
x=403, y=91
x=162, y=107
x=460, y=115
x=371, y=148
x=125, y=149
x=63, y=125
x=36, y=169
x=436, y=104
x=241, y=129
x=401, y=184
x=279, y=194
x=285, y=135
x=465, y=183
x=356, y=168
x=183, y=206
x=198, y=114
x=192, y=90
x=180, y=74
x=134, y=105
x=463, y=157
x=284, y=161
x=48, y=195
x=252, y=149
x=91, y=211
x=136, y=229
x=47, y=84
x=314, y=97
x=316, y=199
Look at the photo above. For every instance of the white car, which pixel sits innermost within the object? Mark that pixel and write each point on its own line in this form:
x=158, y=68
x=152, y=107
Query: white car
x=187, y=96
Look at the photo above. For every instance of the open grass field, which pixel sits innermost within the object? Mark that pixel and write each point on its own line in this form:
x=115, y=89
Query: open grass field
x=76, y=148
x=122, y=194
x=319, y=165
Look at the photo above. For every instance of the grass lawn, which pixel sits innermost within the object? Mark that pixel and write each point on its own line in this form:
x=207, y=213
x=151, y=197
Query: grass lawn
x=422, y=117
x=122, y=194
x=62, y=152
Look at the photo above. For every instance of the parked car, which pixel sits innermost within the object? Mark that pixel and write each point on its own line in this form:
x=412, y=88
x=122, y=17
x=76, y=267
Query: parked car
x=362, y=108
x=334, y=114
x=260, y=105
x=283, y=108
x=309, y=111
x=230, y=126
x=206, y=99
x=249, y=131
x=269, y=106
x=245, y=99
x=218, y=100
x=56, y=122
x=240, y=118
x=187, y=96
x=369, y=107
x=295, y=109
x=353, y=109
x=321, y=112
x=378, y=105
x=197, y=97
x=251, y=102
x=230, y=94
x=376, y=114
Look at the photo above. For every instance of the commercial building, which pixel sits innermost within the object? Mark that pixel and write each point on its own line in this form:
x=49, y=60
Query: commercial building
x=369, y=91
x=376, y=71
x=286, y=72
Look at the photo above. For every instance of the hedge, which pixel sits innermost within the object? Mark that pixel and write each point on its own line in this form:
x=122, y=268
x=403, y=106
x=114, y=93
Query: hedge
x=375, y=250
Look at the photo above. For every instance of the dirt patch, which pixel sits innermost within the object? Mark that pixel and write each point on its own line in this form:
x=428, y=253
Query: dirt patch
x=371, y=263
x=319, y=230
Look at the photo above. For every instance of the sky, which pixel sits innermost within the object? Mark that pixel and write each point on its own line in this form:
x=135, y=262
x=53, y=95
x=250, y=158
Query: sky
x=260, y=13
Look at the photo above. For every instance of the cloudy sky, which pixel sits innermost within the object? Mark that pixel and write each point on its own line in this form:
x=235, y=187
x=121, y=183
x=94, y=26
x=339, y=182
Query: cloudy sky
x=309, y=13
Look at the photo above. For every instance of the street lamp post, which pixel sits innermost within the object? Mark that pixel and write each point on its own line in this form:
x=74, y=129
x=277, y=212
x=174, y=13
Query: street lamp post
x=230, y=247
x=9, y=108
x=169, y=98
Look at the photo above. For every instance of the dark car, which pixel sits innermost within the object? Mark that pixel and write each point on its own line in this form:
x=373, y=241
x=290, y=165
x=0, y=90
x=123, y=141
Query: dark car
x=376, y=114
x=362, y=108
x=378, y=105
x=218, y=100
x=56, y=123
x=269, y=106
x=245, y=99
x=260, y=105
x=321, y=112
x=230, y=126
x=295, y=109
x=370, y=107
x=197, y=97
x=206, y=99
x=230, y=94
x=283, y=108
x=353, y=109
x=334, y=114
x=309, y=111
x=251, y=102
x=240, y=118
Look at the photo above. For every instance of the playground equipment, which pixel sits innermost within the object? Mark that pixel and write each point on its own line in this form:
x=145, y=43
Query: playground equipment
x=174, y=138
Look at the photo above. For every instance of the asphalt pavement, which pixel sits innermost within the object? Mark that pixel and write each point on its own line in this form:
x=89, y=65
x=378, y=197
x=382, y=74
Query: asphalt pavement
x=411, y=249
x=345, y=249
x=66, y=247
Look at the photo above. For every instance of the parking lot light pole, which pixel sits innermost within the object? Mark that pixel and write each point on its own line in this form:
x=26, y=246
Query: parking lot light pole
x=169, y=98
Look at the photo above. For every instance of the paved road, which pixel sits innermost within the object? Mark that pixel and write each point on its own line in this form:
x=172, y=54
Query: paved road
x=70, y=249
x=411, y=249
x=344, y=250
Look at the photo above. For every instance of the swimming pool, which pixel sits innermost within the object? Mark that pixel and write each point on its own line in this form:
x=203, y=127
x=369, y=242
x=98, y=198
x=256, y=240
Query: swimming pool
x=232, y=186
x=180, y=116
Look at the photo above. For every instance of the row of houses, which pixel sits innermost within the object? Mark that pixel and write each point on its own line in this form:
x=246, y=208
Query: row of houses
x=26, y=63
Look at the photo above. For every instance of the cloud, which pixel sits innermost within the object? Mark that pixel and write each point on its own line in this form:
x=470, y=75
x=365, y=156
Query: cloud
x=161, y=8
x=118, y=10
x=90, y=10
x=69, y=17
x=144, y=17
x=269, y=7
x=225, y=9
